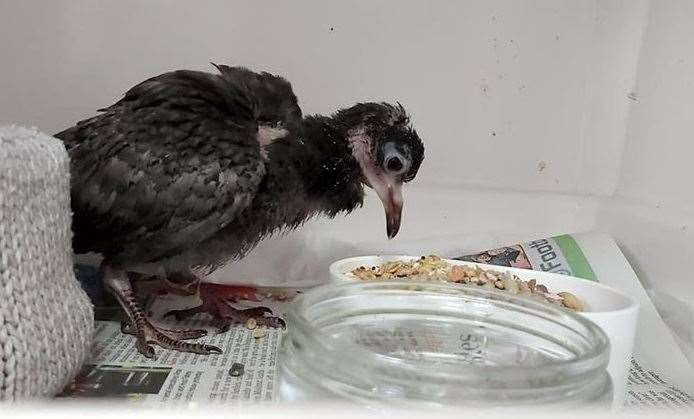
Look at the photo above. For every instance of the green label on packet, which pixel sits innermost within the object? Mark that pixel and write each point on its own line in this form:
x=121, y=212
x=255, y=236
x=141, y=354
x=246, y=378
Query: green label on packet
x=574, y=256
x=560, y=254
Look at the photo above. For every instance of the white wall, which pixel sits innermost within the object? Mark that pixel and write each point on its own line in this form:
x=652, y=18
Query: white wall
x=531, y=95
x=652, y=213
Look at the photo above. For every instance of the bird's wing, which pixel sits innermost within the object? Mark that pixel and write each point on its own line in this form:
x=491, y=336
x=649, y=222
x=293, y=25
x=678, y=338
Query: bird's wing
x=274, y=95
x=164, y=168
x=278, y=111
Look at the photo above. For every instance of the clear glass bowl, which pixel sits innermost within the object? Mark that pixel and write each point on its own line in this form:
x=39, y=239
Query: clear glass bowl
x=435, y=344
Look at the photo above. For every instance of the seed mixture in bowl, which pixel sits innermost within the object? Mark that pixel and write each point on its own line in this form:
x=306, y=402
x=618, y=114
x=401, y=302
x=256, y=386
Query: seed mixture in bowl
x=434, y=268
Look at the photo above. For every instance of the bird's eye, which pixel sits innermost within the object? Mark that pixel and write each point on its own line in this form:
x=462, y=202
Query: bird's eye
x=393, y=160
x=394, y=164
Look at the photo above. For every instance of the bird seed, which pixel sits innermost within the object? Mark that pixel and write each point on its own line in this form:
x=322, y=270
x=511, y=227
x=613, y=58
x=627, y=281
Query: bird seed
x=251, y=323
x=434, y=268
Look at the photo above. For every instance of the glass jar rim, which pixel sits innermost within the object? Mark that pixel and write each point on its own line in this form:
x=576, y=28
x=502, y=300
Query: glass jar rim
x=584, y=366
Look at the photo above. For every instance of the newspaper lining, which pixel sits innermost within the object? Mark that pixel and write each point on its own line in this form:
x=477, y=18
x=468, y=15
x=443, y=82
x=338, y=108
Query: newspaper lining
x=117, y=370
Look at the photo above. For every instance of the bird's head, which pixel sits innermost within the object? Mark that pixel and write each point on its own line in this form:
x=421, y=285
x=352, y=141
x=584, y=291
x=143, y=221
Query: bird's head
x=388, y=150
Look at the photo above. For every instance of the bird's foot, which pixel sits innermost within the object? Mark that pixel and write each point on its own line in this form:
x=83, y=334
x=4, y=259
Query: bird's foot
x=216, y=301
x=138, y=325
x=147, y=334
x=224, y=316
x=262, y=316
x=182, y=282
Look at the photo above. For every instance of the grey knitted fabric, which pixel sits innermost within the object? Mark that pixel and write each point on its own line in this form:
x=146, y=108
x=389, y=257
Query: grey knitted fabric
x=46, y=319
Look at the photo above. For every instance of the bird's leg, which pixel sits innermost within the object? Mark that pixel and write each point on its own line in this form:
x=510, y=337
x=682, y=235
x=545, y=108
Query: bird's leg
x=182, y=282
x=216, y=300
x=175, y=334
x=119, y=285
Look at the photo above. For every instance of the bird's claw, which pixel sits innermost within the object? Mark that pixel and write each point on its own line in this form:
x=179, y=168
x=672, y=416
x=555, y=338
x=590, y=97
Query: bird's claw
x=224, y=323
x=146, y=350
x=210, y=349
x=148, y=334
x=126, y=328
x=224, y=316
x=275, y=322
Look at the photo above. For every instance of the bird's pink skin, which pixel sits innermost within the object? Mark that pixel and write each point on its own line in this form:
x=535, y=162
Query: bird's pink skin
x=388, y=189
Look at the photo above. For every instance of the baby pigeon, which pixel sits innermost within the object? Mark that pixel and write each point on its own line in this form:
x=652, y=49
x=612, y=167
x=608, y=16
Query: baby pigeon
x=190, y=170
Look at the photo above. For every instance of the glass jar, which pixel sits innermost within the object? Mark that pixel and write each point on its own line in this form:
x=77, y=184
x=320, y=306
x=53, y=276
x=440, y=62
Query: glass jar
x=393, y=343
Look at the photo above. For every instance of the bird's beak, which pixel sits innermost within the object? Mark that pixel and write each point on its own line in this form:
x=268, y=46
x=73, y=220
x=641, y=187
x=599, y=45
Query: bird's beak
x=389, y=190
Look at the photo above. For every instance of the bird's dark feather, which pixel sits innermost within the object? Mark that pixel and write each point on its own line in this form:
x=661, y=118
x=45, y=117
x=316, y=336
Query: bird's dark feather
x=164, y=168
x=306, y=175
